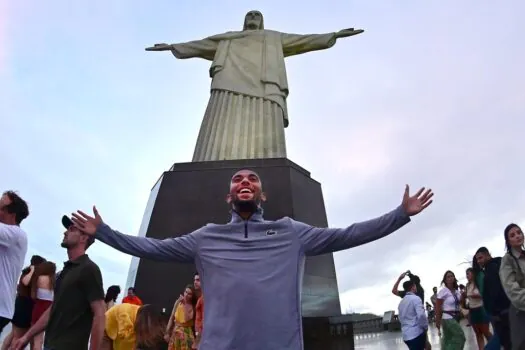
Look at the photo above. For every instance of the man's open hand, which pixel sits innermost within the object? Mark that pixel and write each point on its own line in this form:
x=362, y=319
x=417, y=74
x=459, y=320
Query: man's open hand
x=86, y=223
x=415, y=204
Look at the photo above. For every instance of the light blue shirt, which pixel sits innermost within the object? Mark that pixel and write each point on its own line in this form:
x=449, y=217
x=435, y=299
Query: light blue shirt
x=412, y=316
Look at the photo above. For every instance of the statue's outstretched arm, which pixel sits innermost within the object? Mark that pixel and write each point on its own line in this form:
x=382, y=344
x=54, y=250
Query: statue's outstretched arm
x=296, y=44
x=204, y=48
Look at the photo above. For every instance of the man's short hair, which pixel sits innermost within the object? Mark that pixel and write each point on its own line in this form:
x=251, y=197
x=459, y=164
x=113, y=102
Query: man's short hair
x=90, y=240
x=18, y=206
x=247, y=169
x=407, y=286
x=483, y=250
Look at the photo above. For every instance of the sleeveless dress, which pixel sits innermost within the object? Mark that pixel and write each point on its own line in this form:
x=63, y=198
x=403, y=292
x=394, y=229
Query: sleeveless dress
x=182, y=337
x=44, y=299
x=476, y=310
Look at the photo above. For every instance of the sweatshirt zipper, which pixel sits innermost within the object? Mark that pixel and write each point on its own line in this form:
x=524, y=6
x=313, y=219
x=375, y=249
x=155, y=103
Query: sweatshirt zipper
x=245, y=229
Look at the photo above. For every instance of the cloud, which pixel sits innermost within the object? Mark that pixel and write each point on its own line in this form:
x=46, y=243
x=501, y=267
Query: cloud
x=3, y=35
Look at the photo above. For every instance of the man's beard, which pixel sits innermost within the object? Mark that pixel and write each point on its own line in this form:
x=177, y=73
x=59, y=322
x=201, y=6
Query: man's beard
x=245, y=206
x=67, y=245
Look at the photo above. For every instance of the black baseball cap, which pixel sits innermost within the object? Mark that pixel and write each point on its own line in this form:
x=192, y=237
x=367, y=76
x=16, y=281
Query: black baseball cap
x=67, y=222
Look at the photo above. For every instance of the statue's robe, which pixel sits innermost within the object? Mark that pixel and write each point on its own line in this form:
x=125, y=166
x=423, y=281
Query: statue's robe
x=247, y=113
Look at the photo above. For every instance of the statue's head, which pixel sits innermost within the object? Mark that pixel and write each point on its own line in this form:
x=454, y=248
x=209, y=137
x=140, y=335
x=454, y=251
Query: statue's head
x=253, y=20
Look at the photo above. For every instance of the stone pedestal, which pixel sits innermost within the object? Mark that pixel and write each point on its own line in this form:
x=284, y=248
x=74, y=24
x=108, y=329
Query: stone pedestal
x=191, y=195
x=328, y=333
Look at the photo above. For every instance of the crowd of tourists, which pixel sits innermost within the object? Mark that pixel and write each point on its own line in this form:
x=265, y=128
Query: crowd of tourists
x=130, y=324
x=68, y=309
x=492, y=303
x=248, y=256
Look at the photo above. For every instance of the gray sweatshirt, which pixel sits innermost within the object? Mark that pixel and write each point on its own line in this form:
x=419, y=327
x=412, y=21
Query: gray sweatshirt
x=251, y=272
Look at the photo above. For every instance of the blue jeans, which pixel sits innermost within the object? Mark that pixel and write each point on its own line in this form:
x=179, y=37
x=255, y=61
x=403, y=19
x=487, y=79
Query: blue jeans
x=493, y=343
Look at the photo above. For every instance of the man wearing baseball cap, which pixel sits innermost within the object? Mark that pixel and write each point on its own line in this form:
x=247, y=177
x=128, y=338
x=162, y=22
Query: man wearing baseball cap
x=77, y=312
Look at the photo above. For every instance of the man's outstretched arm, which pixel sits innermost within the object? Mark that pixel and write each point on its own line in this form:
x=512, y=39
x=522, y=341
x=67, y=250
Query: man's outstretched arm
x=318, y=240
x=180, y=249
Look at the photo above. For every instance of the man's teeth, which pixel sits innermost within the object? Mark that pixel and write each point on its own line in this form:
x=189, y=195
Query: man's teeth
x=245, y=190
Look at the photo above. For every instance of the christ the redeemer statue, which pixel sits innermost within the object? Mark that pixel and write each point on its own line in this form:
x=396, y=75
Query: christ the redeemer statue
x=246, y=113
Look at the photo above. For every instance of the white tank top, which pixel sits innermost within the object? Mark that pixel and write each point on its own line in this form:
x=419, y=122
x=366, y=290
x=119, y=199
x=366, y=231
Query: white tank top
x=44, y=294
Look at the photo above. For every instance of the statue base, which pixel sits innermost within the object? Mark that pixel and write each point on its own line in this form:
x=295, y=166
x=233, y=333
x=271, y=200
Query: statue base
x=190, y=195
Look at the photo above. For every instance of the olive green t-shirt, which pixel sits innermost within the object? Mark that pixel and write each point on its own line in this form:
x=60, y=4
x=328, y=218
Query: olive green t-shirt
x=77, y=286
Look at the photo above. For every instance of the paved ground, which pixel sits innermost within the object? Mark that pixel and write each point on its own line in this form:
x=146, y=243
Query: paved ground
x=394, y=341
x=377, y=341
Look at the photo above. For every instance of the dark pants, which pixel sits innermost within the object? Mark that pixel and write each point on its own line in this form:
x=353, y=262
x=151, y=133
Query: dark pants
x=417, y=343
x=3, y=322
x=493, y=343
x=501, y=326
x=517, y=326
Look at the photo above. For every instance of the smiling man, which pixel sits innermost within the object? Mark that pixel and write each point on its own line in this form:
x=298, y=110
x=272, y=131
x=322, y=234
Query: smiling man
x=251, y=269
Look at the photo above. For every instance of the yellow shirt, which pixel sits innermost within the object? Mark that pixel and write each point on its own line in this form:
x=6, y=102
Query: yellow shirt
x=120, y=325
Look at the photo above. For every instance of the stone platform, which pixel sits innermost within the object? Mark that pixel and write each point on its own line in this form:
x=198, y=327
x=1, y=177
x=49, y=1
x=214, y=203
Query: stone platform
x=394, y=340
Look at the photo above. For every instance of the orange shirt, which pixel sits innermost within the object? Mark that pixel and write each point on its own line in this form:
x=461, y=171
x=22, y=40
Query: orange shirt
x=199, y=314
x=135, y=300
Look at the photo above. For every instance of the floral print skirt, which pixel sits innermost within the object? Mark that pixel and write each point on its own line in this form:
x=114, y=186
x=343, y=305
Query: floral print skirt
x=182, y=339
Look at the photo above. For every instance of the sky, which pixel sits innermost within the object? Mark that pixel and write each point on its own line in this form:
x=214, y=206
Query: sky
x=432, y=94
